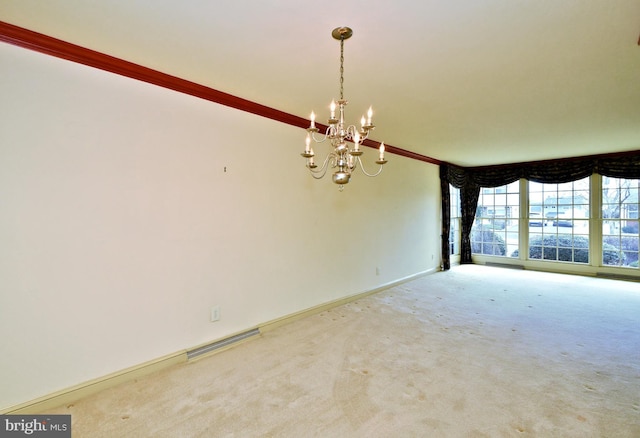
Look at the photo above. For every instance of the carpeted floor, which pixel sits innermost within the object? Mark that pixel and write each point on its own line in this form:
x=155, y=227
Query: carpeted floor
x=471, y=352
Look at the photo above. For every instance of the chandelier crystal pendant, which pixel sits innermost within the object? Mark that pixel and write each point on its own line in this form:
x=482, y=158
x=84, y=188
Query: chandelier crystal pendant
x=343, y=158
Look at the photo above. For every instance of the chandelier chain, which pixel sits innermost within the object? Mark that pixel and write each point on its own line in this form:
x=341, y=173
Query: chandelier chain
x=342, y=68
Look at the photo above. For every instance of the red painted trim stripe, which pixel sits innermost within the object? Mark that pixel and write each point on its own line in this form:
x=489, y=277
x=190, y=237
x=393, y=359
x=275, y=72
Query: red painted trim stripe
x=38, y=42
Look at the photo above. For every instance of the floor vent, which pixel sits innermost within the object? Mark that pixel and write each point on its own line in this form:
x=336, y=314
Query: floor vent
x=220, y=344
x=617, y=276
x=504, y=265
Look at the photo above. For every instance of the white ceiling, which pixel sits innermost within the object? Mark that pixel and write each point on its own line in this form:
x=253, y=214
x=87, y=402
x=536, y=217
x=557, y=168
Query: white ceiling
x=471, y=82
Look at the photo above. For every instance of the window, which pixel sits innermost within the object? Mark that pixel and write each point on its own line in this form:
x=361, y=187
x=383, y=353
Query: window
x=495, y=228
x=456, y=216
x=559, y=221
x=591, y=225
x=620, y=222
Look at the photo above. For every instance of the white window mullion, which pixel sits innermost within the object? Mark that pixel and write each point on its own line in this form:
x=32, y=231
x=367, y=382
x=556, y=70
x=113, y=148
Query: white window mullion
x=595, y=221
x=523, y=237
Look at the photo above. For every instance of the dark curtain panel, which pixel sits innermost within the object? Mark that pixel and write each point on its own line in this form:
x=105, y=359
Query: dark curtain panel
x=558, y=172
x=446, y=219
x=470, y=179
x=469, y=194
x=620, y=167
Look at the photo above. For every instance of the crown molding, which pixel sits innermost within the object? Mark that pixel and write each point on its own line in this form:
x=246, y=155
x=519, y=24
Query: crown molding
x=41, y=43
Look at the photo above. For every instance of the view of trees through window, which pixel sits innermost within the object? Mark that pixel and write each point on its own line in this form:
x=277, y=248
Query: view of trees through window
x=495, y=229
x=559, y=221
x=620, y=222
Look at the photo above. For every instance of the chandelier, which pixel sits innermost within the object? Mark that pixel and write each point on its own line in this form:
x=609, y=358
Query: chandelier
x=344, y=159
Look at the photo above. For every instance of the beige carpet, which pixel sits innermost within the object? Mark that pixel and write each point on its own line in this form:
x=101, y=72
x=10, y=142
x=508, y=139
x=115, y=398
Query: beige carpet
x=472, y=352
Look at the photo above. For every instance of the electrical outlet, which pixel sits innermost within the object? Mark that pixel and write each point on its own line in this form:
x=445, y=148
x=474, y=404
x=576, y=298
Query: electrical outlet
x=377, y=270
x=215, y=313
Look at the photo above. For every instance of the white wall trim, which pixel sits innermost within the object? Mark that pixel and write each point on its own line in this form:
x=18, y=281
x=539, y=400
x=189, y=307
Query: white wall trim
x=331, y=304
x=76, y=392
x=82, y=390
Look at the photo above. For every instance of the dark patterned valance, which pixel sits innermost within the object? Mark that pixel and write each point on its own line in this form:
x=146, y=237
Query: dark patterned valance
x=470, y=179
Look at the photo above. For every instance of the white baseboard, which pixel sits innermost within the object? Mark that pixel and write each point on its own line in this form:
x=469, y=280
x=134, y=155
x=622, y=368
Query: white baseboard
x=82, y=390
x=76, y=392
x=339, y=302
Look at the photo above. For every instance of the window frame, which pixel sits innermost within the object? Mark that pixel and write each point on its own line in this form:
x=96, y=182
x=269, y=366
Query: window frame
x=627, y=265
x=561, y=216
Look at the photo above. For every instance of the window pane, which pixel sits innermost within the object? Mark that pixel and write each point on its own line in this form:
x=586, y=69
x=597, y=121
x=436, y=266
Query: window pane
x=611, y=211
x=620, y=225
x=559, y=222
x=495, y=229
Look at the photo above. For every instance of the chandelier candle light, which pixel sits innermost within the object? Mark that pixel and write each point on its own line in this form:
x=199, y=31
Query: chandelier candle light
x=344, y=159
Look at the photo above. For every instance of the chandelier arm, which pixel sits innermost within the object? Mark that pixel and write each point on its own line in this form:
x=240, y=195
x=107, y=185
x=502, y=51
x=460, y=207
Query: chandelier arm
x=365, y=172
x=351, y=131
x=324, y=136
x=314, y=174
x=320, y=173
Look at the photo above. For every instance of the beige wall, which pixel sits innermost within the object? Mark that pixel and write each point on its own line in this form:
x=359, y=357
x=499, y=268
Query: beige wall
x=119, y=227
